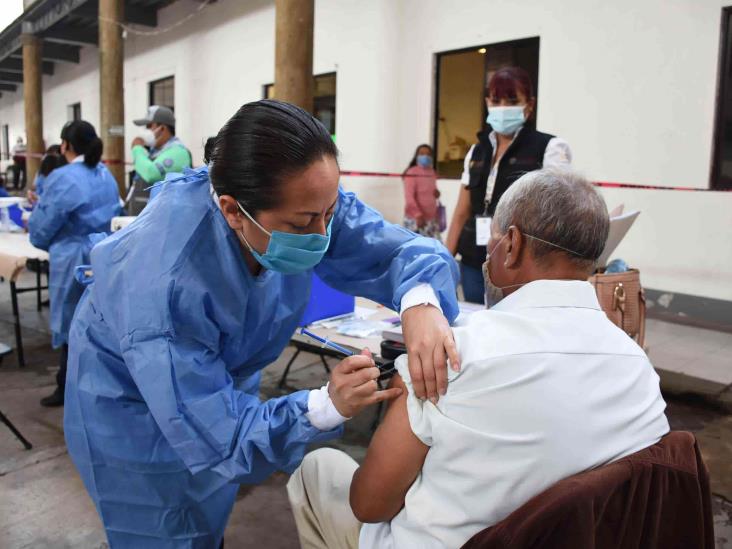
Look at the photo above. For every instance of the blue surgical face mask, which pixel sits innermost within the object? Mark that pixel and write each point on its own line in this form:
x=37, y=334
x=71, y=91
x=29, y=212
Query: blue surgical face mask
x=424, y=160
x=506, y=120
x=290, y=253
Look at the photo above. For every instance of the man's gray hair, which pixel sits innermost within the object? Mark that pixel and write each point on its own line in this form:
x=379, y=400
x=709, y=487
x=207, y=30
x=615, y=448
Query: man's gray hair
x=560, y=206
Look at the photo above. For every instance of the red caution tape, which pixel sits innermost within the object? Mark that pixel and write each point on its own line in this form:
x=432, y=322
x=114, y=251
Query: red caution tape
x=109, y=161
x=605, y=184
x=354, y=173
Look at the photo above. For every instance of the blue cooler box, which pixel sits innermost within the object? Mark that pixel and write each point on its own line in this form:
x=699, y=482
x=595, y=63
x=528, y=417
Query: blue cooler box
x=325, y=302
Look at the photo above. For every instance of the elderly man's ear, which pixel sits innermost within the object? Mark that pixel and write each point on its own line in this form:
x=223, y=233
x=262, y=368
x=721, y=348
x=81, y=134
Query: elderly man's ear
x=515, y=247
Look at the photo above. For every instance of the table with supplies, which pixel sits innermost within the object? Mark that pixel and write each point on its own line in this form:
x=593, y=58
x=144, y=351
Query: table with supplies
x=16, y=255
x=328, y=330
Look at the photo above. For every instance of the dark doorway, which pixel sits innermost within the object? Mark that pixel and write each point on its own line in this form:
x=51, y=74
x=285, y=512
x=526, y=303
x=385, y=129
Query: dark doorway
x=461, y=79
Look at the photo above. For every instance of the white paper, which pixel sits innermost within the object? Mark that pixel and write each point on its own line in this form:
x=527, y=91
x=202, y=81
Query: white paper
x=617, y=211
x=364, y=312
x=482, y=230
x=619, y=227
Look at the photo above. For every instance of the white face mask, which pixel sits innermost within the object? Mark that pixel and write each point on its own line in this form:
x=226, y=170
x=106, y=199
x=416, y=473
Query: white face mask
x=149, y=137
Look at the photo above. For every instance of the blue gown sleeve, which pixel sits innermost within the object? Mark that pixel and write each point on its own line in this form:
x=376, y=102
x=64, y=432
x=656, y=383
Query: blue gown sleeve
x=61, y=197
x=373, y=258
x=209, y=423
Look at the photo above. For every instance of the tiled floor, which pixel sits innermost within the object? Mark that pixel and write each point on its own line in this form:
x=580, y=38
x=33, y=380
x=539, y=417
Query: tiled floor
x=680, y=352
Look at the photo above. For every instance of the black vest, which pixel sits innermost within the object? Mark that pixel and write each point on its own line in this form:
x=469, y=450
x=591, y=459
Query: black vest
x=525, y=154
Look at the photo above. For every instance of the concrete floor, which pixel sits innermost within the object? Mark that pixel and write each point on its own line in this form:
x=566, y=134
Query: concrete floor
x=44, y=505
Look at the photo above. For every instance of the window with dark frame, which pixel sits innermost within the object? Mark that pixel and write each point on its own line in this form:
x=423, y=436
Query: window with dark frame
x=74, y=112
x=722, y=155
x=324, y=99
x=6, y=142
x=162, y=92
x=460, y=81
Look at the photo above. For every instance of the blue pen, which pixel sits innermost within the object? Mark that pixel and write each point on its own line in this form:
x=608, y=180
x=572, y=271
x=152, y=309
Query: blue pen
x=326, y=343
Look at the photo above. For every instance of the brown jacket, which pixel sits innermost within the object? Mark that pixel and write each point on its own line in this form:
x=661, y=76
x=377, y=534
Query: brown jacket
x=656, y=498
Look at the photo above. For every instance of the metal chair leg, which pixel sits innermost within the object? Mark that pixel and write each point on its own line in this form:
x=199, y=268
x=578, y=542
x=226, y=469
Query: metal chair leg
x=16, y=319
x=15, y=431
x=38, y=288
x=325, y=364
x=281, y=384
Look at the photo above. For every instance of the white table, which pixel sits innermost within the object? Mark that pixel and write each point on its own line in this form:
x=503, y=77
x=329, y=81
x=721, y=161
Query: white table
x=15, y=253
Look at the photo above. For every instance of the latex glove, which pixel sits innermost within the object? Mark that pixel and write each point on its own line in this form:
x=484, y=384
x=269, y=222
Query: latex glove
x=353, y=385
x=429, y=342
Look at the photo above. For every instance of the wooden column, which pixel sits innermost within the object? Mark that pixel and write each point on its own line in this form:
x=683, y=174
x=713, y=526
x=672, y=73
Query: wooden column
x=33, y=99
x=294, y=52
x=111, y=87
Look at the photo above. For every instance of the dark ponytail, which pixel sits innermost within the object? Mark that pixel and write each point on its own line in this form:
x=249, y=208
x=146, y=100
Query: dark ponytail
x=260, y=146
x=84, y=139
x=208, y=149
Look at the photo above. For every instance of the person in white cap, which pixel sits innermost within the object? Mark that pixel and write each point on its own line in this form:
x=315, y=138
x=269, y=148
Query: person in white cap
x=165, y=153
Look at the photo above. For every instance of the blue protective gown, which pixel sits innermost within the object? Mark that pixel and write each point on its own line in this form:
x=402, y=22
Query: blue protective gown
x=40, y=183
x=77, y=201
x=162, y=418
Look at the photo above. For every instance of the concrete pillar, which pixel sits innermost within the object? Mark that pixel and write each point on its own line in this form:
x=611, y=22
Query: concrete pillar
x=294, y=52
x=33, y=98
x=111, y=87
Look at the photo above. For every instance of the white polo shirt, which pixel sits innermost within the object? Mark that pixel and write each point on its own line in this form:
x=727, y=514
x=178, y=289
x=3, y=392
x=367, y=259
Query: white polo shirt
x=549, y=387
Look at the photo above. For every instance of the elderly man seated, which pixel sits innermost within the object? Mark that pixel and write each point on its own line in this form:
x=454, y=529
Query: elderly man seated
x=548, y=387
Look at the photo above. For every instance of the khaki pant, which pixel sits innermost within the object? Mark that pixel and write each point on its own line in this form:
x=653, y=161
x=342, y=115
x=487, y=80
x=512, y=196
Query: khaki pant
x=318, y=492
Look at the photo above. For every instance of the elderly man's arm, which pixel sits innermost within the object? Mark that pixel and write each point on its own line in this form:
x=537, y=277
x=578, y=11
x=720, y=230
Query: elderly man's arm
x=393, y=460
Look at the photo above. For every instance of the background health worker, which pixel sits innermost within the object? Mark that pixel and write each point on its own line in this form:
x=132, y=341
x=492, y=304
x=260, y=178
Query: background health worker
x=201, y=292
x=165, y=153
x=78, y=199
x=507, y=148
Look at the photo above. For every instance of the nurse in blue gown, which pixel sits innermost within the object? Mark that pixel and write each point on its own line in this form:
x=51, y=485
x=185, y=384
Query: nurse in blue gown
x=78, y=199
x=191, y=301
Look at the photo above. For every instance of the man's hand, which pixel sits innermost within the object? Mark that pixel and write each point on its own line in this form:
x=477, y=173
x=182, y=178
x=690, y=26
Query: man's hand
x=429, y=342
x=137, y=141
x=353, y=385
x=31, y=196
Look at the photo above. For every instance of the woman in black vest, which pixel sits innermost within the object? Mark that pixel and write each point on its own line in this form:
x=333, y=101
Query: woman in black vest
x=507, y=148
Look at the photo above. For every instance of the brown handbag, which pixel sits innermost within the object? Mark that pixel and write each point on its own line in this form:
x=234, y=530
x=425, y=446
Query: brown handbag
x=623, y=300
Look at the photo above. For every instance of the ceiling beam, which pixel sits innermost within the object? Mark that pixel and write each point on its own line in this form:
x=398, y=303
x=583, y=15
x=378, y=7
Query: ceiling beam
x=60, y=52
x=67, y=34
x=53, y=51
x=10, y=77
x=141, y=16
x=12, y=64
x=135, y=15
x=39, y=20
x=8, y=87
x=10, y=48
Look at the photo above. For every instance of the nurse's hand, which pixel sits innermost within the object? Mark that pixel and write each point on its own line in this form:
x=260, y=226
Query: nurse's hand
x=429, y=342
x=353, y=385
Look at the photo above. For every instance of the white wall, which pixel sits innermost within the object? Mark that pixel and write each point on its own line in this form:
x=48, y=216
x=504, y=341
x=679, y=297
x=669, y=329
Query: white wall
x=631, y=85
